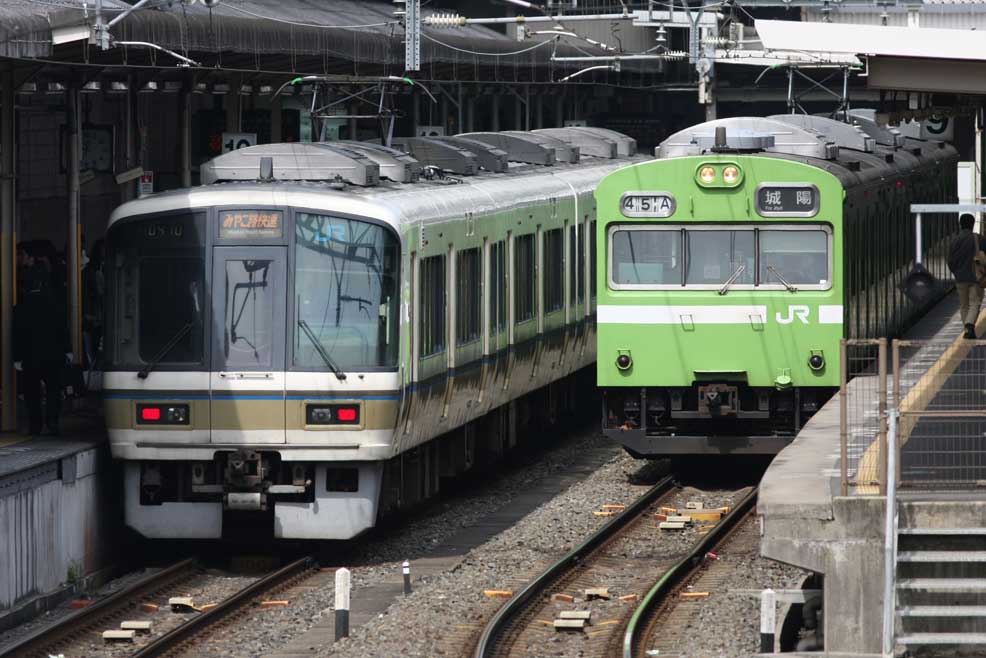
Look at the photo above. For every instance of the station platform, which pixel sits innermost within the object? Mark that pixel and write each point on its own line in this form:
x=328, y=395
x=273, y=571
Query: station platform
x=56, y=512
x=806, y=522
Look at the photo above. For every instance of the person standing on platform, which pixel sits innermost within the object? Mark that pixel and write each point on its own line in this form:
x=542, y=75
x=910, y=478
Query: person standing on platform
x=40, y=348
x=969, y=274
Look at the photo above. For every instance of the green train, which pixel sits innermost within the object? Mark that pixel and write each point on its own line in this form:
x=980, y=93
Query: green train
x=731, y=266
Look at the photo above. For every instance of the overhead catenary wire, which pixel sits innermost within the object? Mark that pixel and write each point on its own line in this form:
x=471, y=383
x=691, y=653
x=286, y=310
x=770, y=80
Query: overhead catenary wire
x=481, y=54
x=305, y=24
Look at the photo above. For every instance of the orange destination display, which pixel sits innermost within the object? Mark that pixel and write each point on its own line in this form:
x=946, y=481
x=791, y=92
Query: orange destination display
x=238, y=224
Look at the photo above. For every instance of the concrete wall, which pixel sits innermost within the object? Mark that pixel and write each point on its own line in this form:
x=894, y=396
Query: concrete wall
x=847, y=549
x=53, y=532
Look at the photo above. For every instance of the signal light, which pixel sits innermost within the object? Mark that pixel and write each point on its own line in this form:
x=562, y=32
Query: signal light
x=346, y=414
x=707, y=174
x=150, y=414
x=730, y=175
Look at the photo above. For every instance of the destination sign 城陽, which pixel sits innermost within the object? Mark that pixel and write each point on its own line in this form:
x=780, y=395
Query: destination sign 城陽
x=647, y=204
x=235, y=224
x=787, y=200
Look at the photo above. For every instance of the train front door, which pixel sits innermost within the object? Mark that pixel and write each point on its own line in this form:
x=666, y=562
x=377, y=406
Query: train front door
x=248, y=354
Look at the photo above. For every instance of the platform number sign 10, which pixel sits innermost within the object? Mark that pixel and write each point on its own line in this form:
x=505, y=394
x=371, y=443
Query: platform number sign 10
x=647, y=204
x=236, y=141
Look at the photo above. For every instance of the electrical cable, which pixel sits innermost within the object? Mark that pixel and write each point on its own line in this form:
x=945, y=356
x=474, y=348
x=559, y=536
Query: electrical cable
x=303, y=24
x=473, y=52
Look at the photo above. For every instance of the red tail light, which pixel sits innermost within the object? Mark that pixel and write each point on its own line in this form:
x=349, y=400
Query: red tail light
x=150, y=413
x=346, y=414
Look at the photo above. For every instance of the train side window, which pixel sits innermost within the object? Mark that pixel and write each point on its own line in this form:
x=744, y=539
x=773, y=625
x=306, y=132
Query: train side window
x=592, y=259
x=576, y=265
x=554, y=270
x=468, y=296
x=525, y=278
x=498, y=287
x=432, y=305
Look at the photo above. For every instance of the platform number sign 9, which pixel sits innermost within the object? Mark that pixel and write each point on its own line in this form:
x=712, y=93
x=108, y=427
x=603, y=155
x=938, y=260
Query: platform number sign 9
x=235, y=141
x=647, y=204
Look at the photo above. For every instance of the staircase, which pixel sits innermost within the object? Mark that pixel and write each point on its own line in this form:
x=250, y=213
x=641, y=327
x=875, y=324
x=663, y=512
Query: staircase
x=941, y=591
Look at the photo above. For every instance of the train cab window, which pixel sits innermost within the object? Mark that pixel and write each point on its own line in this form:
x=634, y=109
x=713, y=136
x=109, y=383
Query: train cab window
x=797, y=257
x=576, y=265
x=714, y=257
x=525, y=276
x=432, y=291
x=646, y=257
x=155, y=298
x=346, y=293
x=469, y=293
x=554, y=270
x=498, y=287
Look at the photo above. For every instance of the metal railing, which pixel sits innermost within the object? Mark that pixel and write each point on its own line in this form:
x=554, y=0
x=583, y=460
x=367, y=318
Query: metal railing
x=939, y=394
x=940, y=397
x=863, y=393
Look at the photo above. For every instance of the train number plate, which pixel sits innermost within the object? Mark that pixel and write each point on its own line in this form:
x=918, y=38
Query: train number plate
x=647, y=204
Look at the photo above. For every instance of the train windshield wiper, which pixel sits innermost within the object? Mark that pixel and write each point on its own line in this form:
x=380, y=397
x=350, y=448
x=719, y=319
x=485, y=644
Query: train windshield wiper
x=773, y=270
x=732, y=279
x=329, y=363
x=170, y=345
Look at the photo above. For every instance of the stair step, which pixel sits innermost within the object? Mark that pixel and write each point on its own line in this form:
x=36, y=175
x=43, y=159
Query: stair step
x=942, y=638
x=944, y=584
x=942, y=531
x=943, y=611
x=941, y=556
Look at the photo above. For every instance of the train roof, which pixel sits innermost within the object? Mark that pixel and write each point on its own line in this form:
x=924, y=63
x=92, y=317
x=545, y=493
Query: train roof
x=853, y=152
x=348, y=177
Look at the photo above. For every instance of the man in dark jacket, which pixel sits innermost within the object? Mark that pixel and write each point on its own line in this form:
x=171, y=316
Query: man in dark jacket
x=961, y=260
x=40, y=348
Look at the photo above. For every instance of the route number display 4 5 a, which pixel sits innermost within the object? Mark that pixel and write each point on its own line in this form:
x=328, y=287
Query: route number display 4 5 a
x=647, y=204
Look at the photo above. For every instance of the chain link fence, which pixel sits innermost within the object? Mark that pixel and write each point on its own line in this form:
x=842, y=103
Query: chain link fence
x=940, y=396
x=938, y=389
x=863, y=394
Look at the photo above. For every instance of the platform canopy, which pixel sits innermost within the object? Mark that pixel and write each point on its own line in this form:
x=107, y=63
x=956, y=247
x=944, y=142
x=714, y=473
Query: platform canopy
x=905, y=58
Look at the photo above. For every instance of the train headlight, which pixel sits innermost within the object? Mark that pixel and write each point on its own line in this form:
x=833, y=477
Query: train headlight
x=623, y=361
x=730, y=175
x=707, y=174
x=816, y=361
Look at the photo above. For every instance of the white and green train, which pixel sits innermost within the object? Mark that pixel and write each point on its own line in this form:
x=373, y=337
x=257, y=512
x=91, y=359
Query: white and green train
x=732, y=265
x=323, y=331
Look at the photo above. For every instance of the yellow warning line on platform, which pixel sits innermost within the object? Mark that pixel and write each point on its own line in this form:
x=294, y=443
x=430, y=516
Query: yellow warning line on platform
x=11, y=440
x=916, y=401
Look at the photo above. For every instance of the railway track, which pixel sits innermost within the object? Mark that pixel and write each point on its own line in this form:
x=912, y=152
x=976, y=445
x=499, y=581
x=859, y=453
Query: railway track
x=108, y=612
x=659, y=621
x=523, y=625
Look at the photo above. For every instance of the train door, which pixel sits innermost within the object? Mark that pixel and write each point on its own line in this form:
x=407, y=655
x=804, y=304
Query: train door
x=248, y=353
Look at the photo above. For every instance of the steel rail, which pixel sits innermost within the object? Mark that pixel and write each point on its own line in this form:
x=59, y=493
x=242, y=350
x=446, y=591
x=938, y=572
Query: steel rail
x=40, y=642
x=676, y=574
x=496, y=628
x=181, y=634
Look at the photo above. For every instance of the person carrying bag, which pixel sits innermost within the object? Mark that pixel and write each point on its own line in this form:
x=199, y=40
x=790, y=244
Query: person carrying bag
x=967, y=261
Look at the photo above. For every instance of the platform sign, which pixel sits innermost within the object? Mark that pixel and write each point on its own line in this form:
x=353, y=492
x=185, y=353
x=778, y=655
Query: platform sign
x=235, y=141
x=145, y=185
x=787, y=200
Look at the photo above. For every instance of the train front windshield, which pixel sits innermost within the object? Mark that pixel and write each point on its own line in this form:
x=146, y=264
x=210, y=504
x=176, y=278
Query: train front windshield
x=328, y=293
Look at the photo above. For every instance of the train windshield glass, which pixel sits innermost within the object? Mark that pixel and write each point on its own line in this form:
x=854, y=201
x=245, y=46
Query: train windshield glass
x=346, y=293
x=647, y=257
x=155, y=290
x=714, y=257
x=707, y=257
x=798, y=257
